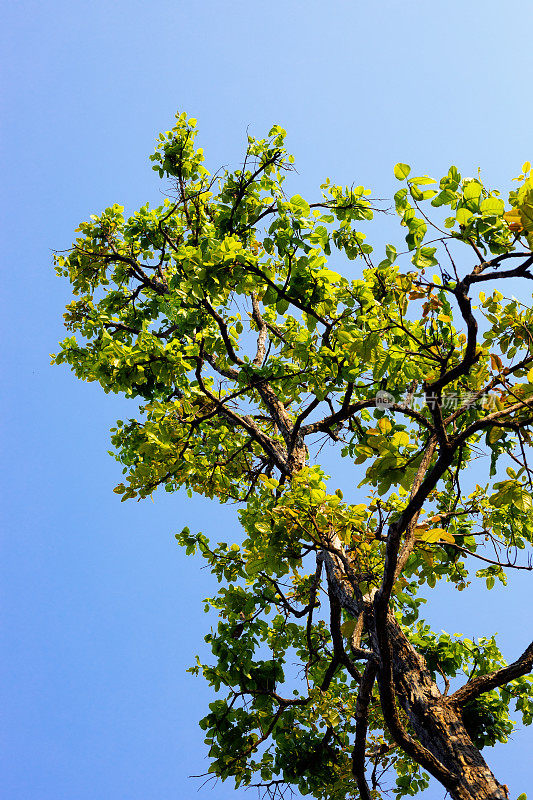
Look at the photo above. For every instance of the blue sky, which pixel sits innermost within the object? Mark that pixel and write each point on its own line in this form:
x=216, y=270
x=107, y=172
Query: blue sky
x=102, y=612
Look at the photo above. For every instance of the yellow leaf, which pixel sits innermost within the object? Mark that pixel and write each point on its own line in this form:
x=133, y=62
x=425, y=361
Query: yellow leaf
x=401, y=439
x=385, y=425
x=526, y=218
x=494, y=435
x=496, y=363
x=435, y=535
x=513, y=219
x=427, y=557
x=345, y=536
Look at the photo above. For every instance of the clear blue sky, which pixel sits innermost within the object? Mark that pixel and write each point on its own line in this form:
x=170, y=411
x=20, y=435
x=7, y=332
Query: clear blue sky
x=101, y=611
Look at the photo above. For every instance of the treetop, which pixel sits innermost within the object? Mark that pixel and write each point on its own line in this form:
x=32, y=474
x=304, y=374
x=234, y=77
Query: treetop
x=225, y=314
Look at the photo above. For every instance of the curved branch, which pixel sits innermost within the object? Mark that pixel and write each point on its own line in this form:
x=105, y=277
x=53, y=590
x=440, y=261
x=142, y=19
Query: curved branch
x=470, y=357
x=387, y=694
x=340, y=655
x=485, y=683
x=488, y=560
x=518, y=272
x=270, y=447
x=223, y=328
x=495, y=417
x=348, y=411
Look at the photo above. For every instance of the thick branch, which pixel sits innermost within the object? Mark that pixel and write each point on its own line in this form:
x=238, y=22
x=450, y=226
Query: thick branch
x=496, y=417
x=340, y=656
x=397, y=528
x=518, y=272
x=410, y=539
x=387, y=693
x=261, y=339
x=485, y=683
x=226, y=372
x=361, y=727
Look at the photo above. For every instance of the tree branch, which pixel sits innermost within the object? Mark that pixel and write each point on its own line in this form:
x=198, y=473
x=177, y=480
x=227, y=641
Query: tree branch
x=261, y=339
x=410, y=539
x=270, y=447
x=361, y=728
x=485, y=683
x=223, y=328
x=348, y=411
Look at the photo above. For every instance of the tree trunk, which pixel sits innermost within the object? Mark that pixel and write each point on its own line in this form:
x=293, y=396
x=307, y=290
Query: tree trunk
x=437, y=724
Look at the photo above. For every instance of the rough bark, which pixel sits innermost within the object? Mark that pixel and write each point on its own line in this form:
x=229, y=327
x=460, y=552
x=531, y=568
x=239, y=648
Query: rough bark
x=435, y=735
x=437, y=723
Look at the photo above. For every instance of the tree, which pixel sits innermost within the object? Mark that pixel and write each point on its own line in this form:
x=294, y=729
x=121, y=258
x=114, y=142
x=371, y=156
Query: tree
x=219, y=313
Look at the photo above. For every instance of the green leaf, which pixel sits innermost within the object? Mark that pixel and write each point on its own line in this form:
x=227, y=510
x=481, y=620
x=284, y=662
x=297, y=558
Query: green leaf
x=178, y=308
x=348, y=627
x=492, y=206
x=463, y=216
x=424, y=180
x=300, y=206
x=443, y=198
x=317, y=496
x=391, y=253
x=401, y=171
x=425, y=257
x=472, y=190
x=282, y=305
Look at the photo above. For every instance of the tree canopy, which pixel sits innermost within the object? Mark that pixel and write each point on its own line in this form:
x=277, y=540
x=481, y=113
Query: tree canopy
x=222, y=313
